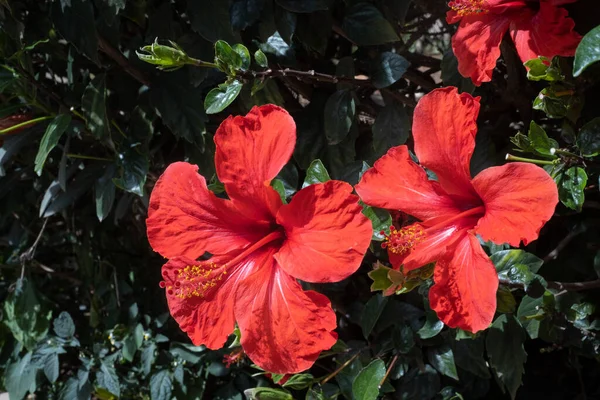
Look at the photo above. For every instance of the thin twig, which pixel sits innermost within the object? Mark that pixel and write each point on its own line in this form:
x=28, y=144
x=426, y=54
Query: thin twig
x=337, y=371
x=120, y=59
x=563, y=243
x=562, y=286
x=389, y=370
x=28, y=255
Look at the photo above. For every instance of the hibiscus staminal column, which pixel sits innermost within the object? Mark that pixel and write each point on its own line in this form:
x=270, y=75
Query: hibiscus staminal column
x=468, y=7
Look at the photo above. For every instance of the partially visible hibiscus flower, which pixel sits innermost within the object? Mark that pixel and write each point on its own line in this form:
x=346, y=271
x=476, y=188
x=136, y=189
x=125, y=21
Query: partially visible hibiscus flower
x=506, y=204
x=259, y=246
x=537, y=27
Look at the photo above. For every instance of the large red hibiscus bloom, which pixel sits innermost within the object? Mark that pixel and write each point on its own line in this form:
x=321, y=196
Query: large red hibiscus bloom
x=506, y=204
x=537, y=27
x=259, y=246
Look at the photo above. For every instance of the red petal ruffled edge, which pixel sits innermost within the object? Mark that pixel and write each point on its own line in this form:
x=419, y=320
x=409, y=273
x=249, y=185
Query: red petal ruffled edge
x=327, y=234
x=549, y=32
x=250, y=152
x=519, y=199
x=187, y=219
x=283, y=328
x=476, y=45
x=200, y=296
x=444, y=129
x=397, y=183
x=464, y=293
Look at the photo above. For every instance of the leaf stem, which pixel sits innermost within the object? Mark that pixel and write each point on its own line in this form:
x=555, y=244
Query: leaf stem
x=24, y=124
x=510, y=157
x=389, y=370
x=202, y=64
x=83, y=157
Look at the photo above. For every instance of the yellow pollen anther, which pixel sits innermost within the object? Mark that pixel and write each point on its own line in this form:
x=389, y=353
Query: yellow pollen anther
x=195, y=280
x=403, y=240
x=468, y=7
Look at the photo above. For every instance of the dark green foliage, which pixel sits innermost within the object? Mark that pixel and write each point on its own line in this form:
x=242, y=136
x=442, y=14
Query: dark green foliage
x=82, y=313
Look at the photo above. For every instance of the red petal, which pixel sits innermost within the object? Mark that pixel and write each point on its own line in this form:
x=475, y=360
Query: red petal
x=326, y=233
x=207, y=319
x=396, y=183
x=284, y=329
x=548, y=33
x=251, y=151
x=464, y=294
x=444, y=129
x=519, y=199
x=186, y=219
x=476, y=45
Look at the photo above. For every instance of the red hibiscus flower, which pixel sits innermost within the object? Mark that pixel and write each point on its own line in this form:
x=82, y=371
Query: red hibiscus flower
x=537, y=27
x=506, y=204
x=259, y=246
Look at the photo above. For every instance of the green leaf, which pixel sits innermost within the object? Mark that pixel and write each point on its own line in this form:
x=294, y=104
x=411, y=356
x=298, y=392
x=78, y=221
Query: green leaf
x=75, y=22
x=571, y=184
x=391, y=128
x=442, y=359
x=381, y=220
x=212, y=20
x=279, y=187
x=418, y=383
x=53, y=133
x=388, y=69
x=108, y=379
x=303, y=6
x=266, y=393
x=506, y=303
x=24, y=314
x=104, y=191
x=365, y=26
x=379, y=275
x=505, y=349
x=556, y=101
x=245, y=13
x=316, y=173
x=161, y=385
x=339, y=116
x=76, y=389
x=227, y=58
x=261, y=58
x=504, y=260
x=540, y=141
x=51, y=369
x=19, y=377
x=55, y=200
x=432, y=325
x=371, y=313
x=588, y=51
x=180, y=106
x=530, y=313
x=286, y=22
x=93, y=105
x=588, y=139
x=222, y=96
x=542, y=69
x=64, y=326
x=366, y=385
x=133, y=161
x=299, y=381
x=468, y=355
x=148, y=357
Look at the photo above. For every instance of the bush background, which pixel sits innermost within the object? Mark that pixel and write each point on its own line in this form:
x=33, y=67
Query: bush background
x=83, y=315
